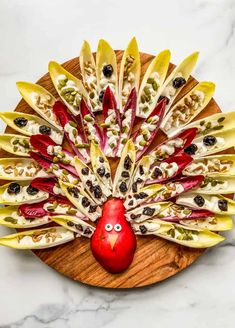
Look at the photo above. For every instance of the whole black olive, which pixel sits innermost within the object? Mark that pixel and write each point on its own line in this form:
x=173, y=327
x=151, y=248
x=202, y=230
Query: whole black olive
x=209, y=140
x=43, y=129
x=20, y=122
x=223, y=205
x=178, y=82
x=32, y=191
x=13, y=188
x=199, y=200
x=108, y=70
x=191, y=149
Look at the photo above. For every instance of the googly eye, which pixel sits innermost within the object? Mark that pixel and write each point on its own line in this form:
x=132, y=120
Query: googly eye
x=108, y=227
x=117, y=227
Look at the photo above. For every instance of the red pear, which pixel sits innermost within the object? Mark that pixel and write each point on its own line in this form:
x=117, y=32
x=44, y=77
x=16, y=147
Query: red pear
x=113, y=243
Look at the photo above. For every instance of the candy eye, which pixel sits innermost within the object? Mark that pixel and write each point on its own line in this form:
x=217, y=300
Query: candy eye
x=108, y=227
x=118, y=227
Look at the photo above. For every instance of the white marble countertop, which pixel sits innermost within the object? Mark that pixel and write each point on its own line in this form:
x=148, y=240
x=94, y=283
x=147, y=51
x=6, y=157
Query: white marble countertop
x=34, y=32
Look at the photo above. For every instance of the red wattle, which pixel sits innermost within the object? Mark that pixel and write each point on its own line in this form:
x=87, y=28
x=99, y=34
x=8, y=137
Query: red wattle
x=116, y=257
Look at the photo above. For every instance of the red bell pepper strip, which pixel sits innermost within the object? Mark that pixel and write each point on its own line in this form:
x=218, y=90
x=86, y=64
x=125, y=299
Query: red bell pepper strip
x=111, y=125
x=149, y=128
x=128, y=119
x=73, y=131
x=174, y=145
x=168, y=169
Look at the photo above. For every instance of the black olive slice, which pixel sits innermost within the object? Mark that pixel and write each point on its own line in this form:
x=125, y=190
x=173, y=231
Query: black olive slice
x=108, y=70
x=32, y=191
x=46, y=130
x=20, y=122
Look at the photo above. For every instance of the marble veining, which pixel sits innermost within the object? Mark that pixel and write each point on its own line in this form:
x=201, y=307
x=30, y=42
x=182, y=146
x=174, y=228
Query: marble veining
x=34, y=32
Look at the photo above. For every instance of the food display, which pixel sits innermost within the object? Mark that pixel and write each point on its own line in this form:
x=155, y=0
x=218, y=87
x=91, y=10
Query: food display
x=114, y=156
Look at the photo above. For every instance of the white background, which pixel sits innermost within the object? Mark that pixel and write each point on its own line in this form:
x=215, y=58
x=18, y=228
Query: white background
x=32, y=32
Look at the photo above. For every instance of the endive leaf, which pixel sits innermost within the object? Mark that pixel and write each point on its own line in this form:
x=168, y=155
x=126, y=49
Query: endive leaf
x=186, y=236
x=32, y=125
x=214, y=123
x=142, y=196
x=177, y=79
x=100, y=165
x=124, y=170
x=15, y=144
x=40, y=100
x=20, y=169
x=79, y=198
x=140, y=174
x=10, y=217
x=213, y=223
x=188, y=107
x=69, y=88
x=24, y=194
x=151, y=84
x=105, y=55
x=129, y=75
x=216, y=184
x=146, y=211
x=88, y=70
x=74, y=224
x=38, y=239
x=90, y=182
x=211, y=143
x=214, y=203
x=222, y=165
x=174, y=145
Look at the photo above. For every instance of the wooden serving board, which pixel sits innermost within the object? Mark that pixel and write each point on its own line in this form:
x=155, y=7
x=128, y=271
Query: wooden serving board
x=155, y=259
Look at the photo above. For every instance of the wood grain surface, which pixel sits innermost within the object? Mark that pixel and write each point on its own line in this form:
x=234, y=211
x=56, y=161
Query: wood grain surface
x=155, y=259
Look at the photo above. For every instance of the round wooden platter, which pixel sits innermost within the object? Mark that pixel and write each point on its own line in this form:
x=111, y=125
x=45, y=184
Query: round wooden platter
x=155, y=259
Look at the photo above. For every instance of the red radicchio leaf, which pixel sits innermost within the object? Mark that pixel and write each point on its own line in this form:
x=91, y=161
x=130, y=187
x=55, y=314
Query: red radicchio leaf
x=65, y=117
x=85, y=110
x=186, y=182
x=47, y=185
x=158, y=111
x=109, y=102
x=36, y=210
x=181, y=160
x=187, y=136
x=41, y=142
x=195, y=214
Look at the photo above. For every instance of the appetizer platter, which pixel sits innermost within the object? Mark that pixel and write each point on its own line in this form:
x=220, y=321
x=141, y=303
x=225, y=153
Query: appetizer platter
x=117, y=168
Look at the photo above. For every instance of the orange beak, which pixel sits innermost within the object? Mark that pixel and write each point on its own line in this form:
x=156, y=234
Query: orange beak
x=112, y=239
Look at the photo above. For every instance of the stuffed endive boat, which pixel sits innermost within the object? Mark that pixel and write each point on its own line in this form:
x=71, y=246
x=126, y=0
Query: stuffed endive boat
x=113, y=156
